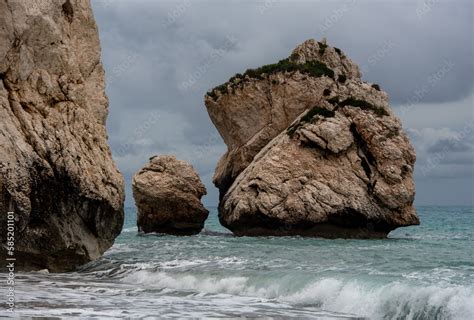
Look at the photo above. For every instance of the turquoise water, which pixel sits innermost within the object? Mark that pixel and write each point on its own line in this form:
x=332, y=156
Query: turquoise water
x=421, y=272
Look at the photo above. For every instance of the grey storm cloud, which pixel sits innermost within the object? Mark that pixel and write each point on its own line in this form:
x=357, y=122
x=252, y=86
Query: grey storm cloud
x=161, y=57
x=449, y=145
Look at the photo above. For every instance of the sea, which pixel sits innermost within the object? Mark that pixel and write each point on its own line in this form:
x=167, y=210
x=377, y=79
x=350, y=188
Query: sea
x=419, y=272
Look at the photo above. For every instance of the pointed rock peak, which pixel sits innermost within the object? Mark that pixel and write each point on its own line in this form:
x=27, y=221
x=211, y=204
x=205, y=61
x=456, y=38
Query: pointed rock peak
x=319, y=51
x=311, y=58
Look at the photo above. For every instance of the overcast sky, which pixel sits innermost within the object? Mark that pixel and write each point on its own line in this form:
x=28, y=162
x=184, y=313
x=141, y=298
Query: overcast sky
x=161, y=57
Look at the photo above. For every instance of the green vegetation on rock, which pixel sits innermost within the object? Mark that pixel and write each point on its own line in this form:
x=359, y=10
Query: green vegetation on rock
x=364, y=105
x=376, y=87
x=311, y=68
x=342, y=78
x=222, y=88
x=322, y=48
x=334, y=100
x=358, y=103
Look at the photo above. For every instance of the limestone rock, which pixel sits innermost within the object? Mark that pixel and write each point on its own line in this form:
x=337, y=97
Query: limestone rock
x=312, y=155
x=168, y=196
x=56, y=170
x=253, y=108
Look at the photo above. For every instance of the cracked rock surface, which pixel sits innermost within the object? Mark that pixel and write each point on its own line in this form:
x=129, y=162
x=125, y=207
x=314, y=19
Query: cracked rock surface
x=168, y=196
x=56, y=169
x=310, y=154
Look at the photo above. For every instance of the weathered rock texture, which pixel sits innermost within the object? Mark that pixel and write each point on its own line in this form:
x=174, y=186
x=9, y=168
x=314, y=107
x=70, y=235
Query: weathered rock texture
x=56, y=170
x=312, y=150
x=168, y=196
x=251, y=109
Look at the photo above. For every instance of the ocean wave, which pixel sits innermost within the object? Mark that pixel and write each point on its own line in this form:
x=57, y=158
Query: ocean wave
x=116, y=269
x=391, y=301
x=396, y=300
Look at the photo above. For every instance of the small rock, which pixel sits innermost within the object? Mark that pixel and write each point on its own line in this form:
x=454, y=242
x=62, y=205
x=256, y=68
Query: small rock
x=168, y=196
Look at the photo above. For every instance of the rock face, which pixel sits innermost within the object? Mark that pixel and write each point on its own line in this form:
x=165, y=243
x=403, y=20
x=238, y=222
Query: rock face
x=168, y=196
x=252, y=109
x=56, y=170
x=312, y=150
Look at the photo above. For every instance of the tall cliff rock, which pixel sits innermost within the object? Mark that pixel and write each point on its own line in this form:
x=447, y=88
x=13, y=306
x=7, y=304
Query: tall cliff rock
x=312, y=150
x=56, y=170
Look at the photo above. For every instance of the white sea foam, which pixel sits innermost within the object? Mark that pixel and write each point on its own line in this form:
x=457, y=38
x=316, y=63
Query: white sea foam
x=162, y=280
x=176, y=264
x=392, y=300
x=121, y=248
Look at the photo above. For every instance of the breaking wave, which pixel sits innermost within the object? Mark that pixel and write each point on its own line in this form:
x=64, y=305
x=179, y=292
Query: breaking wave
x=395, y=300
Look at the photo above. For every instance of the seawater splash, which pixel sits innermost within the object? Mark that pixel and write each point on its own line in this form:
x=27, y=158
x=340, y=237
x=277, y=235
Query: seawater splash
x=423, y=272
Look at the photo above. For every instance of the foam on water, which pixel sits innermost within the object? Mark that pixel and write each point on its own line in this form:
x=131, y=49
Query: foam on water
x=391, y=301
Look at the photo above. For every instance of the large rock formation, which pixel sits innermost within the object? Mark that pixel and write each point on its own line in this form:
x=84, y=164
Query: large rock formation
x=168, y=196
x=251, y=109
x=56, y=170
x=312, y=150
